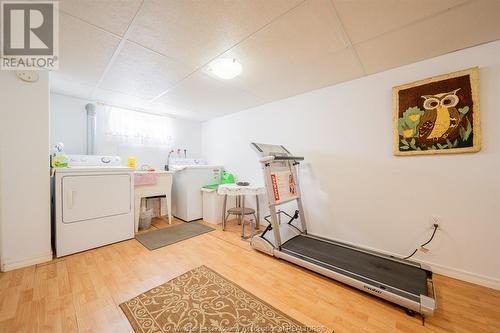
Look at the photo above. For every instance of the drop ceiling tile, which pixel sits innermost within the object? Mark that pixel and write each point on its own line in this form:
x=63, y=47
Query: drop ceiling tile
x=299, y=52
x=332, y=69
x=84, y=51
x=140, y=72
x=161, y=107
x=365, y=19
x=119, y=99
x=111, y=15
x=453, y=30
x=195, y=31
x=62, y=86
x=203, y=97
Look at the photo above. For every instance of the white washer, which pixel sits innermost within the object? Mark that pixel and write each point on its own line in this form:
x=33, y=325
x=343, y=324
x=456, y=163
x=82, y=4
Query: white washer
x=93, y=203
x=187, y=201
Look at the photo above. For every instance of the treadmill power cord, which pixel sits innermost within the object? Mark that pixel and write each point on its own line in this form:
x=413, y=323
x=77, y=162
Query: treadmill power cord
x=435, y=225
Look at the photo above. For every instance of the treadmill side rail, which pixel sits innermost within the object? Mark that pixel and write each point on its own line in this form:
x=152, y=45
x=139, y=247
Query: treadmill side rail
x=267, y=244
x=262, y=245
x=426, y=267
x=428, y=304
x=428, y=270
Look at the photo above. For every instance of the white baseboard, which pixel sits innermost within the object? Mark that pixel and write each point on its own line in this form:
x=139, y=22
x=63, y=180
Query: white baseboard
x=458, y=274
x=482, y=280
x=15, y=264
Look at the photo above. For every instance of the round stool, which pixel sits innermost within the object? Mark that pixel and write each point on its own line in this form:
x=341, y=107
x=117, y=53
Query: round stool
x=237, y=211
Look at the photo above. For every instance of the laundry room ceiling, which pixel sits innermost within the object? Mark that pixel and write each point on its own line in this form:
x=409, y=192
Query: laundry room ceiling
x=153, y=54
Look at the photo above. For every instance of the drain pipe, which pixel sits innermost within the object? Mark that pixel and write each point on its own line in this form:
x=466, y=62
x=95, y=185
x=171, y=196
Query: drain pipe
x=91, y=128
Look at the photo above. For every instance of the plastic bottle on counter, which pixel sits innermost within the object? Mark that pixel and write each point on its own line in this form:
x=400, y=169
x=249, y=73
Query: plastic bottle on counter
x=131, y=162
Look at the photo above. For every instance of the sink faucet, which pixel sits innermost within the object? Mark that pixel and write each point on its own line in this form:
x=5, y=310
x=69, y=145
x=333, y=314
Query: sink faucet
x=168, y=160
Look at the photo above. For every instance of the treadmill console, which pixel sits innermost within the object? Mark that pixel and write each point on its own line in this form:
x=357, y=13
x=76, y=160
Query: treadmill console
x=270, y=150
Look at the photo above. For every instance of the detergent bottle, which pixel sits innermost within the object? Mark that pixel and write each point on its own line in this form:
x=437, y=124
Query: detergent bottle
x=131, y=162
x=227, y=178
x=58, y=159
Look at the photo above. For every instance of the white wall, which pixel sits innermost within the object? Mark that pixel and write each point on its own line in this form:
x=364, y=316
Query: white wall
x=24, y=171
x=69, y=125
x=355, y=189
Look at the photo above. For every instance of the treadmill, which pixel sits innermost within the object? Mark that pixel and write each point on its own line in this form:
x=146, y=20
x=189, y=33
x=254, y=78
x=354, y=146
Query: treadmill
x=406, y=283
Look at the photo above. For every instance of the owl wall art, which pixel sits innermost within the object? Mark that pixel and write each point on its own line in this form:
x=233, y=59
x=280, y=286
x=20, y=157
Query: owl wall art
x=438, y=115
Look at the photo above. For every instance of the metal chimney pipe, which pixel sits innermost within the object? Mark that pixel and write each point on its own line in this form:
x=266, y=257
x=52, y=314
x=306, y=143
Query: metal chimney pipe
x=91, y=128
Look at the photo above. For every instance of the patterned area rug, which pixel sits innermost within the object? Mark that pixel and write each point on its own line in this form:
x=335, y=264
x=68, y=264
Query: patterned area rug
x=203, y=301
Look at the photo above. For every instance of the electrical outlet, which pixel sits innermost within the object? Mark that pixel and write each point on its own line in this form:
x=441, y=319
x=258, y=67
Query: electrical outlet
x=436, y=220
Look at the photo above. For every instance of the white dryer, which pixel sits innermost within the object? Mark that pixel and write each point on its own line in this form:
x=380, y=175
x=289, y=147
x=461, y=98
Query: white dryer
x=93, y=203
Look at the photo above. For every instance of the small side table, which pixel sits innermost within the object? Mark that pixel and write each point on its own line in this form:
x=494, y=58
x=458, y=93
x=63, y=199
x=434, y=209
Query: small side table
x=241, y=192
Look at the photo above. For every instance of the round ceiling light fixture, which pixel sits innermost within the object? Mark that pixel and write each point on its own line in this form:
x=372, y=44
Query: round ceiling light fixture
x=225, y=68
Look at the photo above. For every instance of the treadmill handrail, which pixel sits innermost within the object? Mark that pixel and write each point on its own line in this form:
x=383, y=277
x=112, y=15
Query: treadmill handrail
x=271, y=158
x=288, y=158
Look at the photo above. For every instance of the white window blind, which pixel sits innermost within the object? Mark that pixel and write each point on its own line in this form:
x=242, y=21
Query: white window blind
x=133, y=127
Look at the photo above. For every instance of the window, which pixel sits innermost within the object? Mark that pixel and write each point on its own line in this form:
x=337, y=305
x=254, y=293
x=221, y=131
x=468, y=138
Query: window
x=133, y=127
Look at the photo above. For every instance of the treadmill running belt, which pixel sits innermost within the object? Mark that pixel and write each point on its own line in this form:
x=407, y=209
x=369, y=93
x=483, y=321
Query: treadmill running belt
x=405, y=277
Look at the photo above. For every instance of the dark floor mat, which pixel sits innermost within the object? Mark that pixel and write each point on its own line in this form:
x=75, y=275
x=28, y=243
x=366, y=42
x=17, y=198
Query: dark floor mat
x=159, y=238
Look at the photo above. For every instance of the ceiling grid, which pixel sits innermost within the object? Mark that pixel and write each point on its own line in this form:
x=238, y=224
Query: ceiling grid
x=154, y=54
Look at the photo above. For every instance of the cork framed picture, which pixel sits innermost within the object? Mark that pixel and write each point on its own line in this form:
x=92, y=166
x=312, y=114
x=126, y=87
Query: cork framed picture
x=438, y=115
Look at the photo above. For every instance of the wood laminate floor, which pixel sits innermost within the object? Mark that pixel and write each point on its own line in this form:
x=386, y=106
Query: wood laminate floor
x=81, y=292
